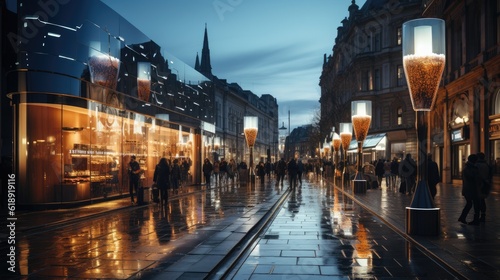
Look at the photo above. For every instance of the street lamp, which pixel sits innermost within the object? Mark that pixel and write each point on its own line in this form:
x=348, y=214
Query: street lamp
x=423, y=62
x=251, y=127
x=361, y=112
x=345, y=138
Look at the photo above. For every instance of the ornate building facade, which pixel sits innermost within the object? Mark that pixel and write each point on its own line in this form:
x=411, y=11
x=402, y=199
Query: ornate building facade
x=367, y=64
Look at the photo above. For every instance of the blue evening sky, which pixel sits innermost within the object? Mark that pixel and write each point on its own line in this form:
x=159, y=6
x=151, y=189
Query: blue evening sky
x=267, y=46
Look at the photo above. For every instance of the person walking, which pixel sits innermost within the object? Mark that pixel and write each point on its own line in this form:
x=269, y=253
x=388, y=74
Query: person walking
x=216, y=170
x=379, y=171
x=207, y=171
x=280, y=171
x=300, y=170
x=134, y=171
x=408, y=172
x=161, y=178
x=433, y=177
x=261, y=172
x=470, y=191
x=292, y=173
x=175, y=175
x=485, y=178
x=394, y=172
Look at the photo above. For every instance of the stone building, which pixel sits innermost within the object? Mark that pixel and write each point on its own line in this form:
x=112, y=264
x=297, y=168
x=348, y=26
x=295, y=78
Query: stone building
x=367, y=64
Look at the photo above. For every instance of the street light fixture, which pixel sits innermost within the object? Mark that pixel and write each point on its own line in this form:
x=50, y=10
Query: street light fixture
x=361, y=119
x=423, y=61
x=251, y=127
x=345, y=138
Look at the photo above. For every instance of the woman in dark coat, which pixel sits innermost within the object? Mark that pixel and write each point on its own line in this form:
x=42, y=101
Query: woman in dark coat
x=162, y=179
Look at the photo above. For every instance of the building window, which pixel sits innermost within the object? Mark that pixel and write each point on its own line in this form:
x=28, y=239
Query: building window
x=377, y=79
x=401, y=76
x=400, y=36
x=400, y=116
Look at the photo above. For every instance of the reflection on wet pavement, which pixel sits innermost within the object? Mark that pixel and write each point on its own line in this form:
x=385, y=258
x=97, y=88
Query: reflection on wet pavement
x=123, y=243
x=320, y=233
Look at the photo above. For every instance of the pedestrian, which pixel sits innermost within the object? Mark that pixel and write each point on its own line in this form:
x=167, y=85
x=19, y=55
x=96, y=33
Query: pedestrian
x=433, y=177
x=485, y=178
x=268, y=169
x=216, y=170
x=261, y=171
x=470, y=190
x=408, y=172
x=394, y=172
x=380, y=171
x=175, y=175
x=387, y=174
x=280, y=171
x=292, y=173
x=300, y=170
x=231, y=169
x=134, y=171
x=207, y=171
x=161, y=178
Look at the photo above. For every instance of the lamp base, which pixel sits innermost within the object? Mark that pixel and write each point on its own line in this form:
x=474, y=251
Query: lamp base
x=423, y=221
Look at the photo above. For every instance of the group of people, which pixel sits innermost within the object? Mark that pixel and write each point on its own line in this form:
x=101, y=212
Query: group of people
x=167, y=175
x=221, y=170
x=476, y=186
x=406, y=170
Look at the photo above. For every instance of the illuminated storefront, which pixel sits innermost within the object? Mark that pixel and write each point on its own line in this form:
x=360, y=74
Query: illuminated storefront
x=88, y=92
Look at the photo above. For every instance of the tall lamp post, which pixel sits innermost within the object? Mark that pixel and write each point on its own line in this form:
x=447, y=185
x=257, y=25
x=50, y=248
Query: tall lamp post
x=251, y=127
x=336, y=142
x=361, y=119
x=423, y=61
x=345, y=138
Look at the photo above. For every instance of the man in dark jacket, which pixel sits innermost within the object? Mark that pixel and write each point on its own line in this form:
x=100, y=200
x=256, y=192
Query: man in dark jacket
x=292, y=173
x=134, y=173
x=470, y=183
x=280, y=171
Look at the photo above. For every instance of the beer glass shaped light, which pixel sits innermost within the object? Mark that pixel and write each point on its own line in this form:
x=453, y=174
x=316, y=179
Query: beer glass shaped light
x=251, y=127
x=345, y=138
x=423, y=60
x=361, y=115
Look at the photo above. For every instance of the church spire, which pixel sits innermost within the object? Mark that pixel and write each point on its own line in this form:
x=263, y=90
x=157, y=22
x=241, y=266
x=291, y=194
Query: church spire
x=205, y=66
x=197, y=63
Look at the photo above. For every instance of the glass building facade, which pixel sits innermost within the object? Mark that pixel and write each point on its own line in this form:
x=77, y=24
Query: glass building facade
x=87, y=91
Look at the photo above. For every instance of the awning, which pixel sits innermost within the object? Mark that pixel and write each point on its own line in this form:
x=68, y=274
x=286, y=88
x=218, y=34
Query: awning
x=372, y=142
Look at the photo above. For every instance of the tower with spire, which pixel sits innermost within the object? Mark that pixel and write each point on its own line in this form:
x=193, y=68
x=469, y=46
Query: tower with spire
x=204, y=66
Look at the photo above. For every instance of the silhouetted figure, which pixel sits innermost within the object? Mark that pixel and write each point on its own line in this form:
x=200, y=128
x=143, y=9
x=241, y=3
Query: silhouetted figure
x=300, y=170
x=485, y=177
x=207, y=171
x=162, y=179
x=280, y=171
x=134, y=172
x=408, y=172
x=470, y=191
x=433, y=177
x=292, y=172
